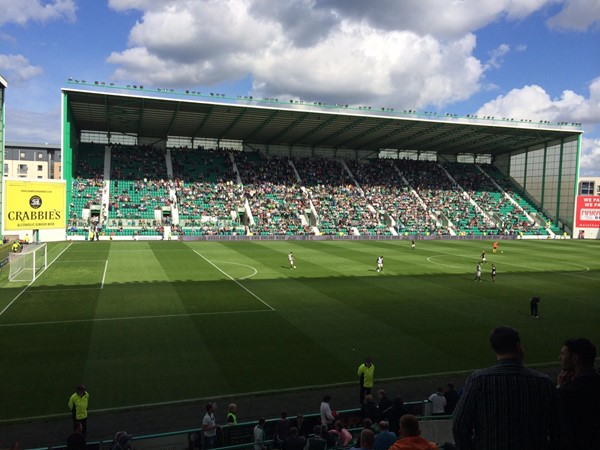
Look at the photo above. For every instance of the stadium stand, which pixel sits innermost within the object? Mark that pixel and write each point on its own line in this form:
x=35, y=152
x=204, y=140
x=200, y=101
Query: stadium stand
x=143, y=191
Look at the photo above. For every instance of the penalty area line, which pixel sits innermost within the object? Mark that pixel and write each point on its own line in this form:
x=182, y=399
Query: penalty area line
x=235, y=281
x=104, y=274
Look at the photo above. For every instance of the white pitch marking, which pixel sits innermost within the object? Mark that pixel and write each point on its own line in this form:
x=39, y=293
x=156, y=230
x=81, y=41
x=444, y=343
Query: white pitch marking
x=441, y=264
x=104, y=274
x=35, y=291
x=587, y=269
x=81, y=262
x=235, y=281
x=114, y=319
x=27, y=287
x=243, y=265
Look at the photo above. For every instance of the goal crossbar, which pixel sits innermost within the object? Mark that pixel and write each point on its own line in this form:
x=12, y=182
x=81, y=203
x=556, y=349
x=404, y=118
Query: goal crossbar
x=29, y=263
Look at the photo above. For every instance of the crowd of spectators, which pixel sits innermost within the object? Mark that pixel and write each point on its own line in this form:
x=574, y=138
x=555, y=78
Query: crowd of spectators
x=273, y=194
x=504, y=406
x=338, y=203
x=230, y=192
x=389, y=195
x=509, y=218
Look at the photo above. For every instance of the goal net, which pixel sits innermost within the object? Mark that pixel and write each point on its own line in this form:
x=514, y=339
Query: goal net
x=29, y=263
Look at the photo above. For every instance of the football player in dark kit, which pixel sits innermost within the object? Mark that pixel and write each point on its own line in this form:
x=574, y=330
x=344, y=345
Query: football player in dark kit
x=533, y=303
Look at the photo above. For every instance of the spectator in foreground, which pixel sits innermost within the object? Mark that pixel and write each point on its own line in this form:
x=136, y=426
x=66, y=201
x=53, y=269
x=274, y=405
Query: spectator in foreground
x=385, y=404
x=397, y=411
x=302, y=425
x=316, y=441
x=369, y=409
x=329, y=435
x=343, y=435
x=451, y=398
x=121, y=441
x=209, y=428
x=438, y=402
x=385, y=438
x=410, y=436
x=282, y=430
x=367, y=425
x=76, y=440
x=232, y=414
x=579, y=388
x=259, y=435
x=507, y=406
x=294, y=442
x=367, y=440
x=327, y=416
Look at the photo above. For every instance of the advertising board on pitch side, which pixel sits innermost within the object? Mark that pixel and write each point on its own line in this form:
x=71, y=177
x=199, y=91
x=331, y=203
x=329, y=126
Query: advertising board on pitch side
x=587, y=211
x=33, y=205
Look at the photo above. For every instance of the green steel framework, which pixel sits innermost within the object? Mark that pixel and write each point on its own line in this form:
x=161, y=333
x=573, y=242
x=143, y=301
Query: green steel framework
x=558, y=174
x=554, y=193
x=68, y=147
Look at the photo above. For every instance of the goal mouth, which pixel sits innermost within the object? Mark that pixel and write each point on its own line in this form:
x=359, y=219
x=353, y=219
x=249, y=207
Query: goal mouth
x=29, y=263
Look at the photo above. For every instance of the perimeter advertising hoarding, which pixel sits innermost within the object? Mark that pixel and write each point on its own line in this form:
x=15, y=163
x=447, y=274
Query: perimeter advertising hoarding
x=588, y=211
x=33, y=205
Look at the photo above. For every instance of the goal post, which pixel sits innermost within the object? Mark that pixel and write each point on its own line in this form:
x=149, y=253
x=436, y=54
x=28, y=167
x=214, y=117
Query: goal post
x=29, y=263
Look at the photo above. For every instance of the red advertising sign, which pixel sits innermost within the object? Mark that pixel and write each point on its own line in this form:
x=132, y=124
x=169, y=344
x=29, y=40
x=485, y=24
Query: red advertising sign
x=588, y=211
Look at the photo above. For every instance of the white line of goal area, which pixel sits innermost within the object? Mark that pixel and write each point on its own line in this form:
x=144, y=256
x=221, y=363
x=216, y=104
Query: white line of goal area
x=32, y=281
x=235, y=281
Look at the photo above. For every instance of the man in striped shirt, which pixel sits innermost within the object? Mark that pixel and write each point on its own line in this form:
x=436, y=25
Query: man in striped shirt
x=507, y=406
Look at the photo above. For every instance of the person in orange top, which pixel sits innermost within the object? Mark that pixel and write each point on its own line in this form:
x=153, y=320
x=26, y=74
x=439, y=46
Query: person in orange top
x=495, y=246
x=411, y=436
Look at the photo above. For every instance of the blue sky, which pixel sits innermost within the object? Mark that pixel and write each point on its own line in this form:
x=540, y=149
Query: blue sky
x=537, y=59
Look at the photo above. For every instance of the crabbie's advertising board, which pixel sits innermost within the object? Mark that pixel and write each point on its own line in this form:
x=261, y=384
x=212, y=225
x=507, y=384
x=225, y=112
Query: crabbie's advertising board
x=33, y=205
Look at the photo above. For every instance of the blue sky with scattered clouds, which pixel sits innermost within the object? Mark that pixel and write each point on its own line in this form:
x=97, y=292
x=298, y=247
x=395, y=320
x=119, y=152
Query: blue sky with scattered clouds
x=537, y=59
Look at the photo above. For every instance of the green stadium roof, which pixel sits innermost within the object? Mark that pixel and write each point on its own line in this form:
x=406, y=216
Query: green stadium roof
x=149, y=114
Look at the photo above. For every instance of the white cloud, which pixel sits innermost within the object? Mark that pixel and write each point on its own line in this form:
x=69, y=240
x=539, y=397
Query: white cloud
x=200, y=44
x=533, y=102
x=125, y=5
x=24, y=11
x=17, y=68
x=579, y=15
x=404, y=55
x=497, y=56
x=589, y=162
x=441, y=18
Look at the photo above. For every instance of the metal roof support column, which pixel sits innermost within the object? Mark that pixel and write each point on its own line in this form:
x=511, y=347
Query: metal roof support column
x=560, y=169
x=544, y=176
x=524, y=187
x=577, y=168
x=576, y=186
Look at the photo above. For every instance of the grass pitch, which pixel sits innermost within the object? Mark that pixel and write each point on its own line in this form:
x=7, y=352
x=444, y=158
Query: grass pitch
x=149, y=322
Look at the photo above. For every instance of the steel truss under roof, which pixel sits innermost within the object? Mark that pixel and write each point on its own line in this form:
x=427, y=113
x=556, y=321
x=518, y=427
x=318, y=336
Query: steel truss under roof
x=300, y=125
